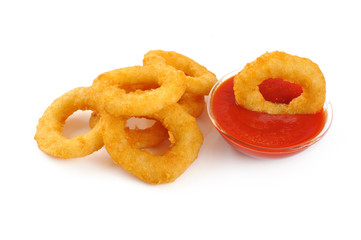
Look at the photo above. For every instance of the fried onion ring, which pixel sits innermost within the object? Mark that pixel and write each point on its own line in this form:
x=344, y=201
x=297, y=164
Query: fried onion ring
x=185, y=136
x=199, y=79
x=193, y=104
x=139, y=103
x=290, y=68
x=50, y=126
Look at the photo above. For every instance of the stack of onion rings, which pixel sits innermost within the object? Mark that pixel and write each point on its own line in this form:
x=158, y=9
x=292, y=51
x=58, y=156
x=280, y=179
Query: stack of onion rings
x=155, y=134
x=153, y=91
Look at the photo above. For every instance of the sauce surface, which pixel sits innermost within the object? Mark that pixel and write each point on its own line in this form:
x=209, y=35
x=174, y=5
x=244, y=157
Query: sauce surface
x=278, y=91
x=262, y=129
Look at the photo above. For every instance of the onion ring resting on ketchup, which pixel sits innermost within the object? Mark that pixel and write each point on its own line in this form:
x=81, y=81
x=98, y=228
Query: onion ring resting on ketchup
x=289, y=68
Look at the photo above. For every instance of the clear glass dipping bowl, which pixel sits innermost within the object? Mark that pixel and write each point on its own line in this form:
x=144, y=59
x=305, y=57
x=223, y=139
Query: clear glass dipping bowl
x=265, y=152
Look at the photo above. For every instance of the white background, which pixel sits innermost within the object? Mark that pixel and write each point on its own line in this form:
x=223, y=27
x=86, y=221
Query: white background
x=48, y=48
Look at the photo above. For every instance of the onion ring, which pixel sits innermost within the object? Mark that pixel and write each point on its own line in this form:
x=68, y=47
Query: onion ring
x=185, y=136
x=193, y=104
x=199, y=79
x=139, y=103
x=290, y=68
x=50, y=126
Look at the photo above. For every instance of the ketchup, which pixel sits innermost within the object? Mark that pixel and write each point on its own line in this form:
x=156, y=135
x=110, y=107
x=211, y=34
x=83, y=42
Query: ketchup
x=262, y=129
x=278, y=91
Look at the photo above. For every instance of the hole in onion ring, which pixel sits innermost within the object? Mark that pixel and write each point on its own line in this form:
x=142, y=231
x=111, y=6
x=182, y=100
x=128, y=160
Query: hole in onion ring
x=277, y=90
x=77, y=124
x=145, y=123
x=139, y=123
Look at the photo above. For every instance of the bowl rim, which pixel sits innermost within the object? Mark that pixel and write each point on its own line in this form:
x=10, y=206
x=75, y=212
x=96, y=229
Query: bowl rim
x=327, y=108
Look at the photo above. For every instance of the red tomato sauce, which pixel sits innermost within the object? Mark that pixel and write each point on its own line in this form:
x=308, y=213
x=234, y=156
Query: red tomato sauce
x=262, y=129
x=278, y=91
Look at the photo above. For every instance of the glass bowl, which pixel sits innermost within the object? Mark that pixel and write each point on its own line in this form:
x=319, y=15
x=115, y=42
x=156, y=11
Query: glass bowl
x=260, y=151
